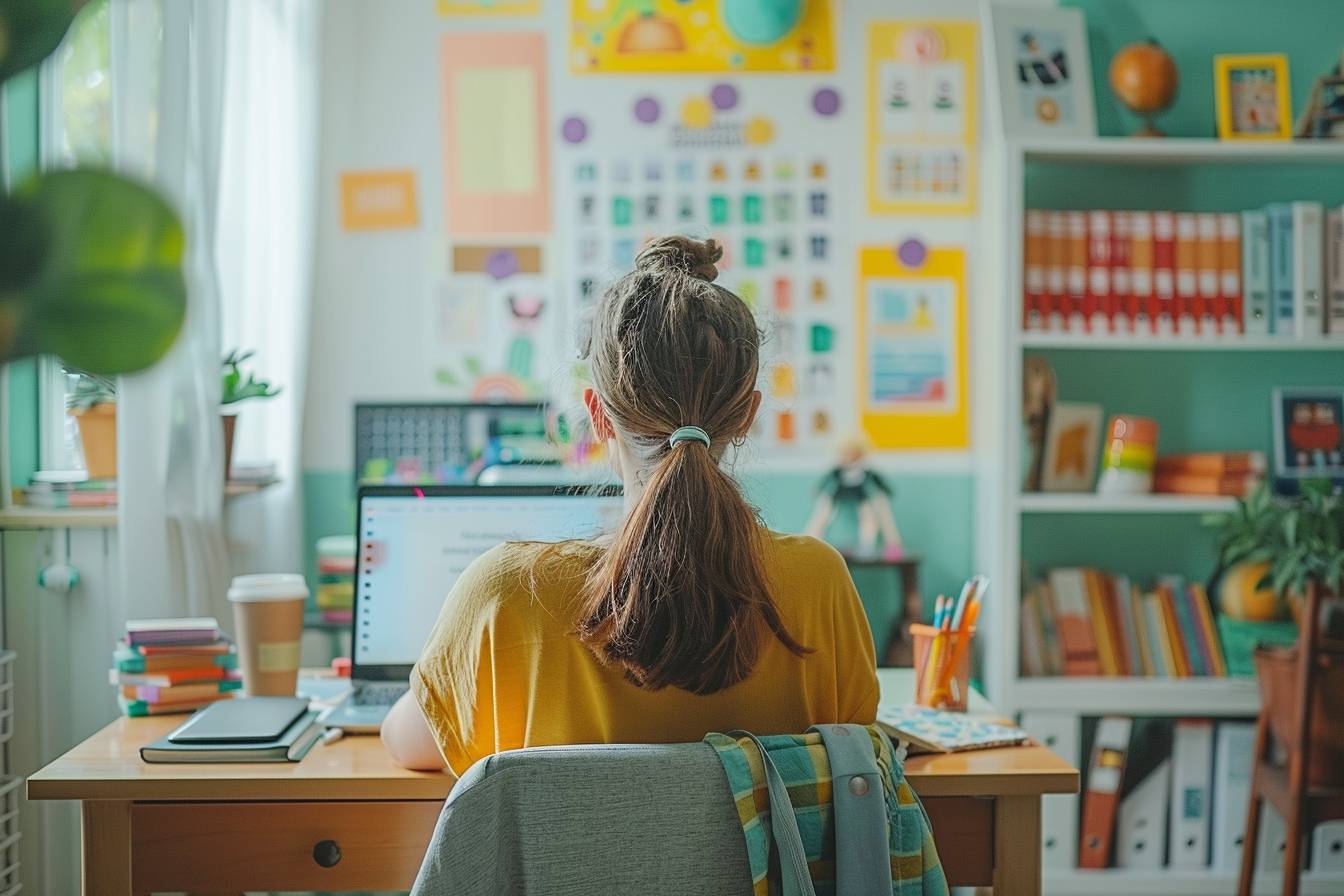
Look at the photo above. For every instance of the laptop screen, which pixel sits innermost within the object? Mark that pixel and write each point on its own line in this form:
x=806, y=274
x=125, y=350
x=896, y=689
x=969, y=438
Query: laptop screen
x=415, y=541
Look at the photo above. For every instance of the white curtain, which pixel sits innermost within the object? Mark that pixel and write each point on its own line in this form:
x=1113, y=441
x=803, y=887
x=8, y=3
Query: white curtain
x=184, y=120
x=265, y=250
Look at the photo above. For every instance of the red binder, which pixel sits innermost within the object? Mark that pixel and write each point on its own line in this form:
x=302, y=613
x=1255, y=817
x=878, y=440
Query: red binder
x=1056, y=265
x=1229, y=270
x=1188, y=304
x=1164, y=272
x=1209, y=308
x=1102, y=797
x=1035, y=299
x=1098, y=311
x=1075, y=238
x=1143, y=301
x=1123, y=314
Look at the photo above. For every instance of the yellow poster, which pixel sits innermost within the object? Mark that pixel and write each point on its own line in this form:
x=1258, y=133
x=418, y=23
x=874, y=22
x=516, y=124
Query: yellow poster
x=921, y=116
x=378, y=200
x=701, y=36
x=489, y=7
x=912, y=347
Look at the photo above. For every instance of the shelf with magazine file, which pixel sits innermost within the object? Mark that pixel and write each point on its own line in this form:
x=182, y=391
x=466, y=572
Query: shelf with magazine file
x=1045, y=340
x=1202, y=882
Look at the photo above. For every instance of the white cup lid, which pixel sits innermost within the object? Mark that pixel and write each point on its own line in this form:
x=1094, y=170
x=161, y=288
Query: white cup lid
x=268, y=586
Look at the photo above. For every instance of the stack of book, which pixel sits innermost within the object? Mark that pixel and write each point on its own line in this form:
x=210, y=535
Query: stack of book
x=1234, y=473
x=1276, y=271
x=1089, y=622
x=173, y=666
x=60, y=488
x=336, y=578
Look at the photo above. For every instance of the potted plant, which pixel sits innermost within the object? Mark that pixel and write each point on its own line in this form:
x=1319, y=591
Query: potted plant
x=1298, y=542
x=93, y=403
x=238, y=385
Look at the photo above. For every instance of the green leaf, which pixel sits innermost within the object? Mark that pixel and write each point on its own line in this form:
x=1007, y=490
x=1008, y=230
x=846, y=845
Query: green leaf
x=109, y=296
x=30, y=30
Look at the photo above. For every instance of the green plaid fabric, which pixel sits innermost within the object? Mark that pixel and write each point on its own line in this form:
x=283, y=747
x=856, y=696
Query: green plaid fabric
x=801, y=760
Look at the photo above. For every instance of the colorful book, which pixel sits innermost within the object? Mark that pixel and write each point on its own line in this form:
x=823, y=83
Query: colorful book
x=1236, y=485
x=1146, y=648
x=1122, y=596
x=1188, y=303
x=1075, y=271
x=1185, y=625
x=171, y=677
x=1231, y=308
x=135, y=708
x=1164, y=273
x=1056, y=270
x=1255, y=285
x=1308, y=269
x=1164, y=664
x=182, y=693
x=1213, y=463
x=1031, y=636
x=1208, y=270
x=1035, y=299
x=1171, y=625
x=1103, y=634
x=126, y=661
x=1143, y=300
x=1122, y=299
x=198, y=630
x=1281, y=288
x=934, y=731
x=1209, y=629
x=223, y=645
x=1099, y=309
x=1069, y=590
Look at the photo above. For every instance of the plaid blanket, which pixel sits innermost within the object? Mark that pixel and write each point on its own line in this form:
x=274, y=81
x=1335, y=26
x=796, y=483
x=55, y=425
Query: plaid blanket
x=802, y=761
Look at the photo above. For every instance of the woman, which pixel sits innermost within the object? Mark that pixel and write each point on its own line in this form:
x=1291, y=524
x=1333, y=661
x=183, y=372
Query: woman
x=693, y=617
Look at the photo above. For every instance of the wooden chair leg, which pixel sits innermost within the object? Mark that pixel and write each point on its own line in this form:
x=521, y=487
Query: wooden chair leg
x=1251, y=835
x=1299, y=756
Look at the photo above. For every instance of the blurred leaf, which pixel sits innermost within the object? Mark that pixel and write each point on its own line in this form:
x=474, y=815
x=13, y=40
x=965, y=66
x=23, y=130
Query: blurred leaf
x=30, y=30
x=108, y=296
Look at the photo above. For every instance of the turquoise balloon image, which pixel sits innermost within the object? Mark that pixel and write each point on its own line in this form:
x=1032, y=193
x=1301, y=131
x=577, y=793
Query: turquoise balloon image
x=761, y=22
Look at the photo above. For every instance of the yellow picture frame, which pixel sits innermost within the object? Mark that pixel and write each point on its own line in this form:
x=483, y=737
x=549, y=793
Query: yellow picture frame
x=1236, y=111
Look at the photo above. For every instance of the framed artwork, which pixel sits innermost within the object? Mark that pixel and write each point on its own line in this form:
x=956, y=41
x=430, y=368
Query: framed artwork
x=1309, y=433
x=1044, y=73
x=1251, y=96
x=1072, y=440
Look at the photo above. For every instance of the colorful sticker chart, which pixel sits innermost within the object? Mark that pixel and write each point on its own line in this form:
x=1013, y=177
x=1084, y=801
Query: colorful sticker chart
x=660, y=36
x=912, y=353
x=921, y=116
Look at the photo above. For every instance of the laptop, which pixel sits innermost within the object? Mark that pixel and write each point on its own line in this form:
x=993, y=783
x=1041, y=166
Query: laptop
x=414, y=541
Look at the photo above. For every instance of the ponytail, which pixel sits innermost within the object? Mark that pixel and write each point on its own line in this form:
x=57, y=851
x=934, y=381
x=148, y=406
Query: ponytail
x=681, y=596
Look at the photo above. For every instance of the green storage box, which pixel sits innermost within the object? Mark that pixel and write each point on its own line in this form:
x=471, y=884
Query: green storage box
x=1239, y=638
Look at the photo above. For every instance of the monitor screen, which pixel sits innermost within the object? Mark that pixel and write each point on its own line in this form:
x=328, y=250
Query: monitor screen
x=413, y=548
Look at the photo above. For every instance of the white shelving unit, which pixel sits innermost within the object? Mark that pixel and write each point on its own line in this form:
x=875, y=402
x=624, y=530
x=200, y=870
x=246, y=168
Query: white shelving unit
x=1007, y=509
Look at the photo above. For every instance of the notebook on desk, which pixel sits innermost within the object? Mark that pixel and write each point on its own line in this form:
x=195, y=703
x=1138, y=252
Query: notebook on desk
x=249, y=729
x=934, y=731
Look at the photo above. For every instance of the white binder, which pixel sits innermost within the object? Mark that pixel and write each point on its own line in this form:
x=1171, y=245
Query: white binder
x=1327, y=848
x=1141, y=827
x=1231, y=792
x=1309, y=269
x=1273, y=841
x=1191, y=750
x=1059, y=812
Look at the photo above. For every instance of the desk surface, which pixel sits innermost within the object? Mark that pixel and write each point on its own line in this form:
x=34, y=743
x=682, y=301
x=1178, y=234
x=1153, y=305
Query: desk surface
x=107, y=766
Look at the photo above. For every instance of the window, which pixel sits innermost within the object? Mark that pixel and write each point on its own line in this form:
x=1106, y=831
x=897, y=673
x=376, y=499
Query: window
x=76, y=110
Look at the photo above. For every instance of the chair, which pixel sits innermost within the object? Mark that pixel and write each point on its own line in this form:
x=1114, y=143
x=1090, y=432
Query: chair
x=1288, y=789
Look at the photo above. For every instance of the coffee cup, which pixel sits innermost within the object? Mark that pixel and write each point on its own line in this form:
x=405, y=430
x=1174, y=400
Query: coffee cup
x=268, y=615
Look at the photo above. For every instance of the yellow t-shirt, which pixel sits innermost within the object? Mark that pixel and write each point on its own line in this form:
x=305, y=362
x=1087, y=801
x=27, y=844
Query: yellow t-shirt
x=512, y=616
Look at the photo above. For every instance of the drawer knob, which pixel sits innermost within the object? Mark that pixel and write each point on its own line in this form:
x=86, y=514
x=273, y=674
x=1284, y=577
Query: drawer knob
x=327, y=853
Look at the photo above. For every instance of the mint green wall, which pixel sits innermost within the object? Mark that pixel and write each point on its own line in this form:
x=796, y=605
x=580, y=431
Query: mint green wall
x=1192, y=31
x=20, y=128
x=933, y=512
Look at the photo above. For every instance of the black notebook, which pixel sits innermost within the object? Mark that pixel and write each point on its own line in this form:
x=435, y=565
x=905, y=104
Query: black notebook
x=248, y=729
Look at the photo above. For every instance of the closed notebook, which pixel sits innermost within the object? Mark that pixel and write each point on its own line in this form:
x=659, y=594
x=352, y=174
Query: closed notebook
x=934, y=731
x=243, y=744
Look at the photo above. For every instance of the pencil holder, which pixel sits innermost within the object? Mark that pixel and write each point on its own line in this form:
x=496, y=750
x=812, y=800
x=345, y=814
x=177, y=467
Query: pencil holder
x=951, y=666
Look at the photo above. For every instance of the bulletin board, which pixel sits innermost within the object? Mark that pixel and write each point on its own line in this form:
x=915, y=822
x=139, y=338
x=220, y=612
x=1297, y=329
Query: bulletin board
x=573, y=131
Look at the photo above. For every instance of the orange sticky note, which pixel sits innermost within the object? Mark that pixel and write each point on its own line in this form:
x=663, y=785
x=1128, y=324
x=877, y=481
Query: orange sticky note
x=378, y=200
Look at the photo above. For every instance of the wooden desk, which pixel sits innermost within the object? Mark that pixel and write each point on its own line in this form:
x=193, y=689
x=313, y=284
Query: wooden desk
x=228, y=828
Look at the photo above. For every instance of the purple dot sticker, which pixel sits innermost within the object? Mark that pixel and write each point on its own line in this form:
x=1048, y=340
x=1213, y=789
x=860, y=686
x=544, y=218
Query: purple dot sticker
x=826, y=102
x=912, y=253
x=502, y=263
x=574, y=129
x=723, y=96
x=647, y=110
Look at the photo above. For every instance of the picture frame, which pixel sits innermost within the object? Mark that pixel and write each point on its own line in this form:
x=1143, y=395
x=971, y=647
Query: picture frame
x=1251, y=96
x=1043, y=70
x=1309, y=433
x=1072, y=446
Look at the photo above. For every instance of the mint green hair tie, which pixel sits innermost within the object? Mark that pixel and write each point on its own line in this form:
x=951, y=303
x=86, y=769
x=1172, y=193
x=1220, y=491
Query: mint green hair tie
x=688, y=434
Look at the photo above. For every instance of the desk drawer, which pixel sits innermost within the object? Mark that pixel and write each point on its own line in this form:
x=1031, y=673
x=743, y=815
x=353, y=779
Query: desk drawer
x=275, y=846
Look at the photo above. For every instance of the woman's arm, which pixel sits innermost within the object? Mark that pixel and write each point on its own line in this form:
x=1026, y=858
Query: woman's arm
x=407, y=737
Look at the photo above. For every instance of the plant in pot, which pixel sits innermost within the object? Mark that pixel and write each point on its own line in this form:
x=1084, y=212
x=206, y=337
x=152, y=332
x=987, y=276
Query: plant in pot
x=1298, y=544
x=238, y=385
x=92, y=402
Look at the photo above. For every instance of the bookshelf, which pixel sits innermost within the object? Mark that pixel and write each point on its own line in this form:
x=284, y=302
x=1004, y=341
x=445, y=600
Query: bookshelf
x=1121, y=173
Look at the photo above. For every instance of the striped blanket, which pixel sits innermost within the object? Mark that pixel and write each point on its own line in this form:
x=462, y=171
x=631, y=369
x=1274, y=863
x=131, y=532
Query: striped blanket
x=802, y=761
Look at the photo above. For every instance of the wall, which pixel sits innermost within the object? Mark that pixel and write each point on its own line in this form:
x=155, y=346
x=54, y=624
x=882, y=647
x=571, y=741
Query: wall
x=381, y=110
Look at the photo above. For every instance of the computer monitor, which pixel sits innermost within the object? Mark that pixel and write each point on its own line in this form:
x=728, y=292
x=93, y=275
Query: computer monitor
x=414, y=542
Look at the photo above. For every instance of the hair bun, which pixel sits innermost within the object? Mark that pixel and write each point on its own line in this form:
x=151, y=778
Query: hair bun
x=680, y=254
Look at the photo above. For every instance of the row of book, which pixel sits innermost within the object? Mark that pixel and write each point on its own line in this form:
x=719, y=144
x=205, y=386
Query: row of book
x=165, y=666
x=335, y=598
x=1228, y=473
x=1082, y=621
x=1276, y=271
x=58, y=488
x=1163, y=793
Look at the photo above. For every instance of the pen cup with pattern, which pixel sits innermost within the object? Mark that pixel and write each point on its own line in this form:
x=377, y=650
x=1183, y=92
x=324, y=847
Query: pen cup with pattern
x=268, y=615
x=952, y=697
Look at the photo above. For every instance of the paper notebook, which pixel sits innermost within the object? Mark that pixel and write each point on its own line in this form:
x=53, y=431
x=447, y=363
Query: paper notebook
x=934, y=731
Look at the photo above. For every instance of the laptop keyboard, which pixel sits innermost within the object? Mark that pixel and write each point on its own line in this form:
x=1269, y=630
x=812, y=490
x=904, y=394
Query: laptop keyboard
x=379, y=694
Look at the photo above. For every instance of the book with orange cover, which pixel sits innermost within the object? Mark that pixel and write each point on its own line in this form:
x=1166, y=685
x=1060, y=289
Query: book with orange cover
x=1188, y=304
x=1123, y=317
x=181, y=693
x=1172, y=626
x=1233, y=485
x=1147, y=666
x=170, y=677
x=1075, y=275
x=1208, y=264
x=1056, y=271
x=1213, y=463
x=1100, y=620
x=1164, y=272
x=1035, y=299
x=1073, y=628
x=1208, y=630
x=1229, y=273
x=1102, y=797
x=1098, y=309
x=1115, y=589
